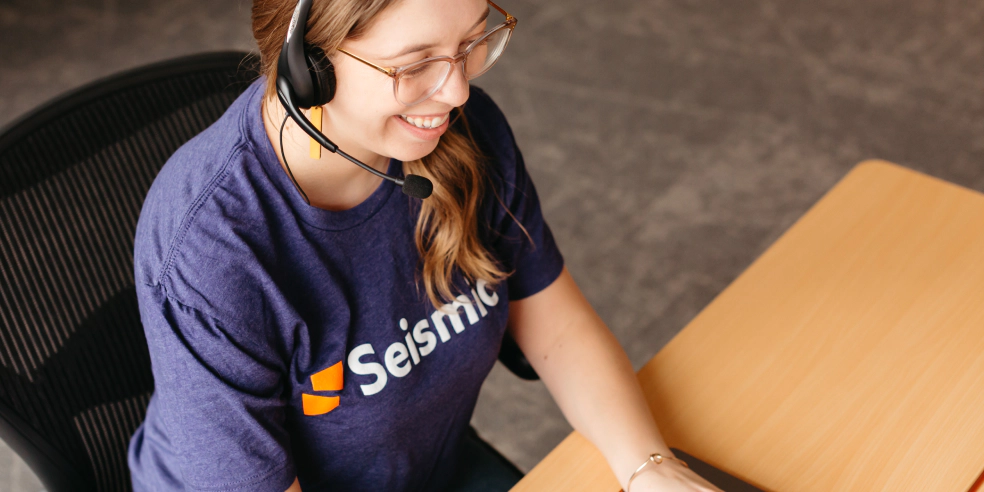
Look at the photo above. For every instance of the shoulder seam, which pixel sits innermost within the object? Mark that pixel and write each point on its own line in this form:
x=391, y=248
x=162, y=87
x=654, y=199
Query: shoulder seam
x=192, y=212
x=171, y=298
x=244, y=124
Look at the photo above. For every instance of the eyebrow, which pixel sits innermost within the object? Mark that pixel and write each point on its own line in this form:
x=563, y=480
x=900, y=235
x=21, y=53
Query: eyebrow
x=421, y=47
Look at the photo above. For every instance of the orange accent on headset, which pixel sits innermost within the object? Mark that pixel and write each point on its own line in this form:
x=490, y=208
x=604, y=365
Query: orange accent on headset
x=318, y=405
x=328, y=379
x=315, y=147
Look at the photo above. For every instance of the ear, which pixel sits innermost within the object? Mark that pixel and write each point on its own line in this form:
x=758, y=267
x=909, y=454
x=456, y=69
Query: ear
x=322, y=74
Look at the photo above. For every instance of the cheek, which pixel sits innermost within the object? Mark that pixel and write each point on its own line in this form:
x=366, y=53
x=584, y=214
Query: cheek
x=368, y=108
x=360, y=82
x=363, y=93
x=365, y=103
x=375, y=128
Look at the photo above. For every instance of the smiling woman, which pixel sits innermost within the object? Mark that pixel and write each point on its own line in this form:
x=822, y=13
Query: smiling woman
x=373, y=127
x=311, y=328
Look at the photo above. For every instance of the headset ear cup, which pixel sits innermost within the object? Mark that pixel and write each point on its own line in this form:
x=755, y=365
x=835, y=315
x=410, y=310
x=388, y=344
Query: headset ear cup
x=322, y=74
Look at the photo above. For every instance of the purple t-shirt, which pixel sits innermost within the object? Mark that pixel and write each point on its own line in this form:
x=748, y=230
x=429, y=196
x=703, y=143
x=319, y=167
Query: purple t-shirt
x=289, y=341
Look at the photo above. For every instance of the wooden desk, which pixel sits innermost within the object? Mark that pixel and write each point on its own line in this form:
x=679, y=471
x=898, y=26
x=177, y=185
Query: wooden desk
x=848, y=357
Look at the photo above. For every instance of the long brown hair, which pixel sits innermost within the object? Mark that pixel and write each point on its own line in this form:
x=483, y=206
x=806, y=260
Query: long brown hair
x=447, y=235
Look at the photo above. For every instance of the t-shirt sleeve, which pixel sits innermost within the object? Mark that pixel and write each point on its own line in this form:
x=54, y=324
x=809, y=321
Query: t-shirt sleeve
x=220, y=395
x=518, y=233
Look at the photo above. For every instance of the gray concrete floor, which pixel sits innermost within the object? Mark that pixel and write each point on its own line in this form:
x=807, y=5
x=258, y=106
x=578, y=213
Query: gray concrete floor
x=671, y=141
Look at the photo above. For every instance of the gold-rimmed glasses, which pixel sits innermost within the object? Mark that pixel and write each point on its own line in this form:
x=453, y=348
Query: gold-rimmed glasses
x=418, y=81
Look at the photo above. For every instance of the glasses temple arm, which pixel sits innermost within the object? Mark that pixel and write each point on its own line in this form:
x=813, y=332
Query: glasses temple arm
x=387, y=71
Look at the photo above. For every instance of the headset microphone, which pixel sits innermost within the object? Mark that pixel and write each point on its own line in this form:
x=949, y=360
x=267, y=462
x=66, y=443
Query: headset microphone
x=314, y=85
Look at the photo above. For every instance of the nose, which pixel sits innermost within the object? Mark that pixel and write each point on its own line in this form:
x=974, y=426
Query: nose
x=455, y=90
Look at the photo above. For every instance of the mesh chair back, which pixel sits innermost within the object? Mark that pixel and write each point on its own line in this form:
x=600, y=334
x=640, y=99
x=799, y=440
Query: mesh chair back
x=75, y=374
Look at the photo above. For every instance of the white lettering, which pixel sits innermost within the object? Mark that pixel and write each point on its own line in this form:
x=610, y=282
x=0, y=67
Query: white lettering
x=447, y=311
x=413, y=349
x=424, y=337
x=462, y=301
x=400, y=358
x=396, y=354
x=481, y=305
x=490, y=300
x=366, y=369
x=410, y=345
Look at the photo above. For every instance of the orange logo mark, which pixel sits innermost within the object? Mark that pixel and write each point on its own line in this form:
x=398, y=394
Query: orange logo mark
x=326, y=380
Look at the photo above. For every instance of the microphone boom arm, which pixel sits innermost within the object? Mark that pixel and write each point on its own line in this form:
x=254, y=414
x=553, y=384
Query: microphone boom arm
x=285, y=94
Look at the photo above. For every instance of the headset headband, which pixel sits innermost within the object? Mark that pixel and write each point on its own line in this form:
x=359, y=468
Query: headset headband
x=292, y=64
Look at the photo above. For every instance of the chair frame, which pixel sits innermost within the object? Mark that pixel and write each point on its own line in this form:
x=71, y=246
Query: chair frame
x=56, y=471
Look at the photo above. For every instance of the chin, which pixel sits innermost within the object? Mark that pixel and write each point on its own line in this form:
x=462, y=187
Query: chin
x=414, y=152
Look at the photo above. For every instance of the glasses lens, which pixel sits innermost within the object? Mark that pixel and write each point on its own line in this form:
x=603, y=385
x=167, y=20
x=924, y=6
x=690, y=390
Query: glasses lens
x=420, y=81
x=486, y=53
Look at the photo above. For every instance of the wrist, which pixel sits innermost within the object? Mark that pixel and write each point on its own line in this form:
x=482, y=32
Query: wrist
x=626, y=464
x=629, y=447
x=652, y=469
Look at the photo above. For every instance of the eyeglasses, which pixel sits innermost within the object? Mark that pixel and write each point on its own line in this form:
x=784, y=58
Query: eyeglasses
x=418, y=81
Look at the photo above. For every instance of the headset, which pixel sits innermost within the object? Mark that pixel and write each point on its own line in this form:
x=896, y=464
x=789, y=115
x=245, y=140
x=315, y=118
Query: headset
x=306, y=78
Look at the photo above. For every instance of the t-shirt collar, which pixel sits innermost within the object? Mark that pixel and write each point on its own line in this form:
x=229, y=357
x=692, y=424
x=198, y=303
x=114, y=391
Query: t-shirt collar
x=313, y=216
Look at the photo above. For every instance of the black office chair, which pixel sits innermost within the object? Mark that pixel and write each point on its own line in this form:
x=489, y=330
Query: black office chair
x=75, y=374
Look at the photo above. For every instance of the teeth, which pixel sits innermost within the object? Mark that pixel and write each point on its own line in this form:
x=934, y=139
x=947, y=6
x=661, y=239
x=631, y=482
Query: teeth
x=425, y=123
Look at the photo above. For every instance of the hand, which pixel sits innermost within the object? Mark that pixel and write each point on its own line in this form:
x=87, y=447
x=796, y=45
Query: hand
x=670, y=476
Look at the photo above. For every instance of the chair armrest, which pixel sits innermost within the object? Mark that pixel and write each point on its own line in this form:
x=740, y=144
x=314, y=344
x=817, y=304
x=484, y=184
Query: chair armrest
x=512, y=357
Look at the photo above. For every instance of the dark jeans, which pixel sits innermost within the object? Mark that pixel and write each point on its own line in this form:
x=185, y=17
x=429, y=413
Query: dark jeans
x=482, y=469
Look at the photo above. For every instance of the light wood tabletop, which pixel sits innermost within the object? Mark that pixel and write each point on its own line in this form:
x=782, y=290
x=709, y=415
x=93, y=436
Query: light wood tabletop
x=848, y=357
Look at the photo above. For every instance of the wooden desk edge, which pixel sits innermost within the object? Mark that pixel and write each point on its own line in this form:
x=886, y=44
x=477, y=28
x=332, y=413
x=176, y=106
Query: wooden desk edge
x=979, y=484
x=875, y=165
x=544, y=471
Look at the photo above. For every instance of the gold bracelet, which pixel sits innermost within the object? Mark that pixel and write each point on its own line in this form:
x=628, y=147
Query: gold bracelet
x=656, y=459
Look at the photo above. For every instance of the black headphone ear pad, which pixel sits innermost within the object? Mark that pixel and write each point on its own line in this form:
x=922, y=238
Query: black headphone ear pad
x=322, y=74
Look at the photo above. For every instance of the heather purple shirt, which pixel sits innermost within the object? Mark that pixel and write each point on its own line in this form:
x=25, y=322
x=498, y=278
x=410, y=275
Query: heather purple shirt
x=246, y=292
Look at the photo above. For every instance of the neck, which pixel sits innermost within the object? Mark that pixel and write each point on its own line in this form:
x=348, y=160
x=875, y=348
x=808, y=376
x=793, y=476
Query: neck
x=330, y=182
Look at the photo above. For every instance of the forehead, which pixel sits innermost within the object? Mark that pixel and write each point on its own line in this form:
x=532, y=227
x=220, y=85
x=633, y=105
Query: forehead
x=412, y=22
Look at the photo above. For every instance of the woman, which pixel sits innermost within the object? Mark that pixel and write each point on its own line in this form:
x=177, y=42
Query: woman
x=312, y=329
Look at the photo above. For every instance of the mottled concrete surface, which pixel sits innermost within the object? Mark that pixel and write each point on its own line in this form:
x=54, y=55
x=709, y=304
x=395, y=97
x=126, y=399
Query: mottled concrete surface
x=671, y=142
